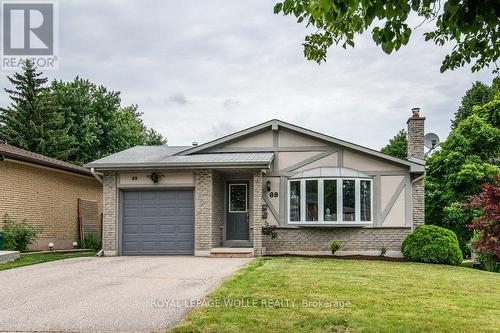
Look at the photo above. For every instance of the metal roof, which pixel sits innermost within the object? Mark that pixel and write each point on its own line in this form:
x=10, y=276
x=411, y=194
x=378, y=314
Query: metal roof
x=162, y=156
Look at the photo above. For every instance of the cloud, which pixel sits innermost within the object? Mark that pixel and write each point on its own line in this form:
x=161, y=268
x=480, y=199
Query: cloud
x=179, y=99
x=230, y=103
x=242, y=50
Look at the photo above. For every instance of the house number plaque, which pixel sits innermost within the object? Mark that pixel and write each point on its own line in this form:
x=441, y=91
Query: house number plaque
x=273, y=194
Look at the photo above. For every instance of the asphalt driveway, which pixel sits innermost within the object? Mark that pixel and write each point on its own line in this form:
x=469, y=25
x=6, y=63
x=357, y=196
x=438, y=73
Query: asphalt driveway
x=119, y=294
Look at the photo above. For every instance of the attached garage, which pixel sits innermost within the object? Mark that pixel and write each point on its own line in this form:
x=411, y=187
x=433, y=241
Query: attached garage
x=157, y=222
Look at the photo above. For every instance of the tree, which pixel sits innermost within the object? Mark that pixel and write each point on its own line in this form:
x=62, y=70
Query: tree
x=479, y=94
x=398, y=145
x=96, y=122
x=487, y=224
x=31, y=121
x=471, y=26
x=468, y=158
x=153, y=138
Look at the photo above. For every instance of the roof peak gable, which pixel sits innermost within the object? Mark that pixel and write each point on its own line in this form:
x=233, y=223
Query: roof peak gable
x=274, y=124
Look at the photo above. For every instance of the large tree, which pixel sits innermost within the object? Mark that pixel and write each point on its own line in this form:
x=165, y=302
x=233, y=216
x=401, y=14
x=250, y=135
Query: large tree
x=31, y=121
x=472, y=27
x=397, y=146
x=479, y=94
x=469, y=157
x=74, y=121
x=97, y=122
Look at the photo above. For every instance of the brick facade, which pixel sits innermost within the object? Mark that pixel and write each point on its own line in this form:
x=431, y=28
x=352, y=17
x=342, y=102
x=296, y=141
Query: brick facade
x=257, y=213
x=203, y=216
x=416, y=132
x=47, y=198
x=352, y=239
x=109, y=220
x=417, y=202
x=218, y=212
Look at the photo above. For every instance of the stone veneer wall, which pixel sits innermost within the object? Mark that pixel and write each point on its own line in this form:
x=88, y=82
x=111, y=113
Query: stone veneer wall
x=218, y=208
x=109, y=217
x=257, y=213
x=417, y=202
x=352, y=239
x=416, y=132
x=203, y=216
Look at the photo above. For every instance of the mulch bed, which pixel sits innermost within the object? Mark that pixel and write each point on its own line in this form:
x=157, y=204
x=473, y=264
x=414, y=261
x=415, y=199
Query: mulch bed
x=350, y=257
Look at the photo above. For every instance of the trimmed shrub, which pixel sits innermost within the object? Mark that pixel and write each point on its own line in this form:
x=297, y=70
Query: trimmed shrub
x=432, y=244
x=92, y=242
x=335, y=246
x=18, y=234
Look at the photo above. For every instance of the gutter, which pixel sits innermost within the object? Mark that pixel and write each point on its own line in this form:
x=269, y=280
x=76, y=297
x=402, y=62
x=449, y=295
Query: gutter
x=96, y=175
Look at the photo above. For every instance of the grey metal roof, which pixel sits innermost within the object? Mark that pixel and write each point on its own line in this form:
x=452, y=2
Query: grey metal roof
x=161, y=156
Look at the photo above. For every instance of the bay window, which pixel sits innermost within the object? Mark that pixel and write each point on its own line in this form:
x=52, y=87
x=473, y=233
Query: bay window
x=294, y=201
x=330, y=201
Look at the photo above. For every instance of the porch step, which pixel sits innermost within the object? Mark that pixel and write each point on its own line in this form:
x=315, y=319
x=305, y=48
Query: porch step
x=231, y=252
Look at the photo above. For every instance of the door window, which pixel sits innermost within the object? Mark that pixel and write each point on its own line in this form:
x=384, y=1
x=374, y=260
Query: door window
x=237, y=198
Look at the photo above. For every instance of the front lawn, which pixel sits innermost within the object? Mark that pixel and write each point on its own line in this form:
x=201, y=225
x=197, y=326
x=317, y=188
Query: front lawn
x=37, y=258
x=306, y=295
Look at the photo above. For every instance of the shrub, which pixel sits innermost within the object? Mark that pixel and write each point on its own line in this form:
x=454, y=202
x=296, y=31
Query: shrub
x=432, y=244
x=486, y=224
x=383, y=251
x=18, y=234
x=92, y=242
x=269, y=230
x=335, y=246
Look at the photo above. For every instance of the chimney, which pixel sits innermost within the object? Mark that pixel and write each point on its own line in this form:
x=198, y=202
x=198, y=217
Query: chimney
x=416, y=135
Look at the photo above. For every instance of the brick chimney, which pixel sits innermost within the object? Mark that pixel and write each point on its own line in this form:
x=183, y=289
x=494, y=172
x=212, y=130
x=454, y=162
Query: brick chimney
x=416, y=135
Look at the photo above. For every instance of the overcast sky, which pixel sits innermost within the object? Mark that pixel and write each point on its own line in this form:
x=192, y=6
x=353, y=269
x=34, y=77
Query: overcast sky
x=202, y=69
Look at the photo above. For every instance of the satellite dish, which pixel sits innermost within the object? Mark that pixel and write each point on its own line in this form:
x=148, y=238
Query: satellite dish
x=431, y=140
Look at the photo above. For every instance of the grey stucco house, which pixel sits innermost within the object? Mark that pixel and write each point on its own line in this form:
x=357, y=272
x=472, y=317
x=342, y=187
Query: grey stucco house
x=215, y=198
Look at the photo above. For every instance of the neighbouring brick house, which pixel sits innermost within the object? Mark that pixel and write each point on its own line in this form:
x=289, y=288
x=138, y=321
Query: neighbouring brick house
x=216, y=198
x=45, y=191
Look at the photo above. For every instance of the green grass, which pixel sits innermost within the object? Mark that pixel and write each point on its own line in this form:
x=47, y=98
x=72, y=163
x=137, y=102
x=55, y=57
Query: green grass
x=382, y=297
x=37, y=258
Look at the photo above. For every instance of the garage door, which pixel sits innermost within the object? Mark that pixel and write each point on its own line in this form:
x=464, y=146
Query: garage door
x=158, y=222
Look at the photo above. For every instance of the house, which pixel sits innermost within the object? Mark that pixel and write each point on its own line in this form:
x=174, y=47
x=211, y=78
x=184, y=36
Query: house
x=46, y=192
x=216, y=198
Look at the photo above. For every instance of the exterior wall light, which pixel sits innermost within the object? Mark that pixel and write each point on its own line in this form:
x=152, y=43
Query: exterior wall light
x=268, y=186
x=155, y=177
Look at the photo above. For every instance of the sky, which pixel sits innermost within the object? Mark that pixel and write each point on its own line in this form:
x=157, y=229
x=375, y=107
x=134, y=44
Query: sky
x=202, y=69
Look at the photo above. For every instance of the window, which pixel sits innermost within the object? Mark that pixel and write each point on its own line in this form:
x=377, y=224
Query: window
x=295, y=201
x=365, y=200
x=312, y=200
x=237, y=198
x=330, y=200
x=348, y=200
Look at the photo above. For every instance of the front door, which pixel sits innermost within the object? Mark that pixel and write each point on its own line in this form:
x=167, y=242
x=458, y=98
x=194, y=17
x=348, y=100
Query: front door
x=237, y=211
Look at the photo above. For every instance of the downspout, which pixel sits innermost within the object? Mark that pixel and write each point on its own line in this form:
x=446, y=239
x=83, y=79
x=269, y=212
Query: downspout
x=96, y=175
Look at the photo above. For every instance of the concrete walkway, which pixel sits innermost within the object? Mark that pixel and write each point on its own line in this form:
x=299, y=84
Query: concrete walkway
x=116, y=294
